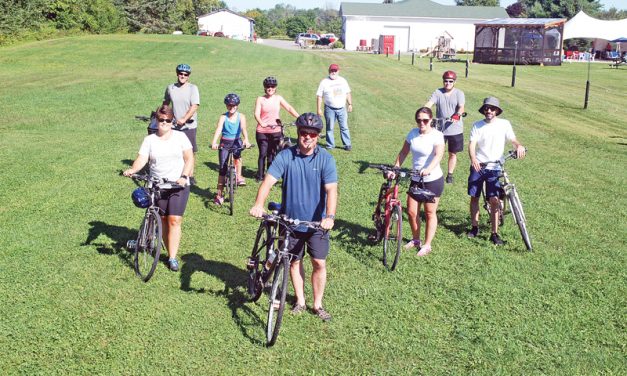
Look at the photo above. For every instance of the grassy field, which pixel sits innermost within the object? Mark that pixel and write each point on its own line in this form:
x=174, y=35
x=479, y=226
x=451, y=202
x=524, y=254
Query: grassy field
x=71, y=303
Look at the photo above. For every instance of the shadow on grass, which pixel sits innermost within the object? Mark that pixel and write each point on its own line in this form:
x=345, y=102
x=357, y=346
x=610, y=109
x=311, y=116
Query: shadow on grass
x=353, y=239
x=118, y=234
x=453, y=221
x=246, y=172
x=234, y=278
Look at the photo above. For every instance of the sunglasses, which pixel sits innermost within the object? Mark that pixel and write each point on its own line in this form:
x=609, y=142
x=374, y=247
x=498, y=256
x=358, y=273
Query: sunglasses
x=424, y=121
x=164, y=120
x=449, y=81
x=271, y=87
x=310, y=134
x=333, y=71
x=183, y=74
x=490, y=108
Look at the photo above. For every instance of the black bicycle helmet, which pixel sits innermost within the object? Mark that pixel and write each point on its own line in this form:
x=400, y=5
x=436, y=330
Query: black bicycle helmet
x=270, y=81
x=309, y=120
x=141, y=198
x=231, y=99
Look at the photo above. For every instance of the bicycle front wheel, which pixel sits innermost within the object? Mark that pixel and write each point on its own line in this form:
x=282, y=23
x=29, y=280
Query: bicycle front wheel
x=148, y=245
x=519, y=216
x=231, y=187
x=392, y=238
x=276, y=304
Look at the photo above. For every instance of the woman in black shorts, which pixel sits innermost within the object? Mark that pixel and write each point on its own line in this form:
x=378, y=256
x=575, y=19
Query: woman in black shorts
x=171, y=158
x=427, y=147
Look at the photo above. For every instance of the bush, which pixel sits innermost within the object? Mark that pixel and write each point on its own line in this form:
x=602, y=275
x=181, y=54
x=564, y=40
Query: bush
x=338, y=44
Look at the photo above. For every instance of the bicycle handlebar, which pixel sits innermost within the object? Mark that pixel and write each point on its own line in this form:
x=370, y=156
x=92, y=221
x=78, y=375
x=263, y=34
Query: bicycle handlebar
x=287, y=221
x=509, y=155
x=142, y=117
x=160, y=183
x=237, y=148
x=450, y=118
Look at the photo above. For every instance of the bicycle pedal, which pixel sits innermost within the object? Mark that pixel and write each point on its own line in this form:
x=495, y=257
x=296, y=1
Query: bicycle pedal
x=251, y=264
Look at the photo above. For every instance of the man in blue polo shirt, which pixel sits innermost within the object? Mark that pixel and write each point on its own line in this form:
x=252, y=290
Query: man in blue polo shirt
x=309, y=193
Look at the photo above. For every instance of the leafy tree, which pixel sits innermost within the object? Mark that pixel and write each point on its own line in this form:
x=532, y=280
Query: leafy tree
x=560, y=8
x=481, y=3
x=149, y=16
x=202, y=7
x=298, y=24
x=612, y=14
x=517, y=10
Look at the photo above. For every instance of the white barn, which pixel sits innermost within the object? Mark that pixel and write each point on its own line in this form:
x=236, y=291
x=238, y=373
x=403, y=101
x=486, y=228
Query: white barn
x=230, y=23
x=415, y=24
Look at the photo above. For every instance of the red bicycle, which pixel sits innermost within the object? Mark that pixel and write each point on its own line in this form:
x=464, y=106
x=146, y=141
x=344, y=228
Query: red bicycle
x=388, y=216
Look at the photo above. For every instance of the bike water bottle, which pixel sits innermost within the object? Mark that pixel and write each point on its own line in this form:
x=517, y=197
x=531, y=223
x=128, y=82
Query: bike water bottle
x=270, y=259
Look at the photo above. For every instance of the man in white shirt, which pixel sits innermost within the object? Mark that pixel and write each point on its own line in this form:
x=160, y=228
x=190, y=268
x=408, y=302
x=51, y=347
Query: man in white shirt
x=335, y=93
x=487, y=143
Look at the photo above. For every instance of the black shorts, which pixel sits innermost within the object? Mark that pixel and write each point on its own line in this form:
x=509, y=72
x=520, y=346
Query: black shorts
x=191, y=135
x=455, y=143
x=436, y=186
x=173, y=201
x=317, y=244
x=227, y=145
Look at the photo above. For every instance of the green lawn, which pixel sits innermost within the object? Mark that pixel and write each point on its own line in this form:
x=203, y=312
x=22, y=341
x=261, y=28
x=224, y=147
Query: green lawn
x=71, y=303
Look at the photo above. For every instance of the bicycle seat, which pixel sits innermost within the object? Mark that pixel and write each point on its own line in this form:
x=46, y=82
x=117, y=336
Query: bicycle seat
x=274, y=206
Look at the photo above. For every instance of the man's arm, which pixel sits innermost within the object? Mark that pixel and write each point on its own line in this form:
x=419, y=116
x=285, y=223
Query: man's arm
x=473, y=156
x=331, y=206
x=188, y=115
x=262, y=194
x=319, y=104
x=349, y=99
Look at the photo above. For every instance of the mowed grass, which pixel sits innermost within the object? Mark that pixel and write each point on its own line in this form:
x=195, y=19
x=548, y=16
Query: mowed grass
x=72, y=304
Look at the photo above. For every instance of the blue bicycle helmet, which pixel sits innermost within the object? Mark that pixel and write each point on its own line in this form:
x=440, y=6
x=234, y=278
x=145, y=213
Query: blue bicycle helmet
x=183, y=68
x=231, y=99
x=141, y=198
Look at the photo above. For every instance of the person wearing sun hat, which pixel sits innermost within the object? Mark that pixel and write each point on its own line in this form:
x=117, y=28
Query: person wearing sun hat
x=335, y=93
x=487, y=143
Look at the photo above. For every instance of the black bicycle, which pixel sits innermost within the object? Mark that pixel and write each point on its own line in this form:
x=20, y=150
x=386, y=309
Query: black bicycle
x=270, y=260
x=148, y=245
x=508, y=195
x=443, y=123
x=286, y=139
x=230, y=180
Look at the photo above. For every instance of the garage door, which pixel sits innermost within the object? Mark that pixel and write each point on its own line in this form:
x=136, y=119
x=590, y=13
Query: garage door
x=401, y=36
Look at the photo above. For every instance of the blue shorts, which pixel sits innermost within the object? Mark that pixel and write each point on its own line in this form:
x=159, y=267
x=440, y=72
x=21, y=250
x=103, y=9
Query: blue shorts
x=477, y=178
x=317, y=244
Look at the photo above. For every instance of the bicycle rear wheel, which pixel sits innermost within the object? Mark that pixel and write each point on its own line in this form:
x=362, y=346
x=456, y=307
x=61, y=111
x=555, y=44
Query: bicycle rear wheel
x=519, y=216
x=276, y=304
x=255, y=263
x=148, y=245
x=231, y=187
x=392, y=238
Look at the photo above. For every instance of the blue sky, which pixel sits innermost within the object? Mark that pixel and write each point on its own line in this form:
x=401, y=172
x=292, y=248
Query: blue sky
x=242, y=5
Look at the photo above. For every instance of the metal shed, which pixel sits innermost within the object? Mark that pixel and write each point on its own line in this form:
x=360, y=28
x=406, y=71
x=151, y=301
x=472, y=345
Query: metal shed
x=528, y=40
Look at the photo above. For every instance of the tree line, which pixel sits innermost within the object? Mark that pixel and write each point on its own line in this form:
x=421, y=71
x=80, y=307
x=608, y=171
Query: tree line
x=41, y=19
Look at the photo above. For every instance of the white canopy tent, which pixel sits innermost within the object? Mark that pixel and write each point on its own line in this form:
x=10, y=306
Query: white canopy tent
x=584, y=26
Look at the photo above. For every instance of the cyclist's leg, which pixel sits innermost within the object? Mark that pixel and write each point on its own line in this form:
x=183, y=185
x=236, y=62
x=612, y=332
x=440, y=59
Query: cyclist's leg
x=455, y=145
x=274, y=139
x=342, y=119
x=297, y=272
x=262, y=144
x=475, y=185
x=329, y=117
x=237, y=159
x=413, y=211
x=176, y=204
x=431, y=217
x=318, y=249
x=222, y=160
x=492, y=190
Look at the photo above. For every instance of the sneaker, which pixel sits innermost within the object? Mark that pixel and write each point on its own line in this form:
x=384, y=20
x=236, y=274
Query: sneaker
x=241, y=182
x=474, y=231
x=449, y=179
x=322, y=314
x=496, y=239
x=219, y=200
x=415, y=243
x=174, y=264
x=298, y=309
x=424, y=251
x=348, y=148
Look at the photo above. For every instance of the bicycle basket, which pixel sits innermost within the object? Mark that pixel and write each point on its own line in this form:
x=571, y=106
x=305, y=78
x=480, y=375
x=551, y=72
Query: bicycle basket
x=421, y=194
x=141, y=198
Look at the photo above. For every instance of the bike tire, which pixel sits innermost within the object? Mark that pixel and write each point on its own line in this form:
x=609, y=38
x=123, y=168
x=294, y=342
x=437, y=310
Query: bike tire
x=519, y=217
x=278, y=293
x=148, y=246
x=378, y=219
x=231, y=187
x=392, y=238
x=255, y=264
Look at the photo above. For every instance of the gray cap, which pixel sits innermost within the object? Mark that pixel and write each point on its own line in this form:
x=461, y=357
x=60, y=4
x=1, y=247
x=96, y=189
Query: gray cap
x=491, y=101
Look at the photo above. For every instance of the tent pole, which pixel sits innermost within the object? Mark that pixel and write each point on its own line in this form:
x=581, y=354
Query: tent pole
x=585, y=103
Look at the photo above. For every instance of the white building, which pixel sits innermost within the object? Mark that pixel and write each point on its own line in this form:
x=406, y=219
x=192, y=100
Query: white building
x=415, y=24
x=231, y=24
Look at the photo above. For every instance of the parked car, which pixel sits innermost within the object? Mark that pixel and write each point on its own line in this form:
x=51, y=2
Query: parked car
x=219, y=34
x=331, y=37
x=304, y=38
x=202, y=33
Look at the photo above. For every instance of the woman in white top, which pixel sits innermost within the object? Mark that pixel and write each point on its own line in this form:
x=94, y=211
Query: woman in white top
x=427, y=147
x=171, y=158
